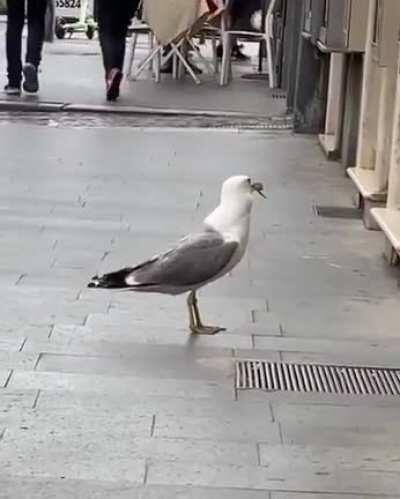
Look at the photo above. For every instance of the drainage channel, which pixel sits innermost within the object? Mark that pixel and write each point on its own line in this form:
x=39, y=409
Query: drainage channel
x=317, y=378
x=105, y=120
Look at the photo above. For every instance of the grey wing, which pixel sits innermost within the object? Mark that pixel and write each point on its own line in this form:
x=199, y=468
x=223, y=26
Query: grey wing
x=196, y=259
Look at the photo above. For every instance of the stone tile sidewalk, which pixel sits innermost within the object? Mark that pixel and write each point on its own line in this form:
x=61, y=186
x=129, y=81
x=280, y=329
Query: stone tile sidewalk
x=106, y=395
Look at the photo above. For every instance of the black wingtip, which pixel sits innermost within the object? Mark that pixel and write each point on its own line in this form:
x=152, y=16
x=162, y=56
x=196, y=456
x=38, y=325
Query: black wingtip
x=94, y=282
x=114, y=280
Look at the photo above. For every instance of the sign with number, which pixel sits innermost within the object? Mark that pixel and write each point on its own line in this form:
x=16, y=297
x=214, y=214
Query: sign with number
x=68, y=8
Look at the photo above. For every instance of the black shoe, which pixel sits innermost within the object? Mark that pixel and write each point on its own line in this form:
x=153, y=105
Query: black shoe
x=236, y=53
x=239, y=55
x=113, y=81
x=167, y=67
x=12, y=90
x=31, y=81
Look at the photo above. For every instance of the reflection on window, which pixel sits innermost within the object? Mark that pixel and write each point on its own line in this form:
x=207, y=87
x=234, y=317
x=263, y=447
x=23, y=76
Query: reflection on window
x=377, y=17
x=307, y=15
x=325, y=14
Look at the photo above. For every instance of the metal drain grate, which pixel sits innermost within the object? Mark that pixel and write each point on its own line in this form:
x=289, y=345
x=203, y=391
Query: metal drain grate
x=349, y=380
x=338, y=212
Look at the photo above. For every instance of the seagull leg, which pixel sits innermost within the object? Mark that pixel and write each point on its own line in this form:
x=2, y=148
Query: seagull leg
x=196, y=326
x=192, y=319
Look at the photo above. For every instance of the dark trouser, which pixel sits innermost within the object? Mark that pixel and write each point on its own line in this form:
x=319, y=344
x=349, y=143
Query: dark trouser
x=15, y=24
x=242, y=10
x=114, y=17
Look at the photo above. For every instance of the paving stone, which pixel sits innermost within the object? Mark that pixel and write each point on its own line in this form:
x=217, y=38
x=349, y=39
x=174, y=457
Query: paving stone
x=9, y=277
x=73, y=420
x=357, y=436
x=4, y=376
x=340, y=482
x=80, y=341
x=176, y=315
x=306, y=495
x=329, y=399
x=10, y=343
x=233, y=428
x=71, y=445
x=13, y=401
x=142, y=332
x=24, y=332
x=151, y=366
x=156, y=492
x=61, y=466
x=238, y=306
x=357, y=313
x=49, y=222
x=257, y=329
x=90, y=442
x=192, y=389
x=267, y=355
x=317, y=345
x=57, y=278
x=322, y=459
x=166, y=406
x=267, y=321
x=195, y=450
x=62, y=488
x=340, y=416
x=18, y=360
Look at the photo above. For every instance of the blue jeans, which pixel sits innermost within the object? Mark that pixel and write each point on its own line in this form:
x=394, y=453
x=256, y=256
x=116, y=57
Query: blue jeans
x=15, y=24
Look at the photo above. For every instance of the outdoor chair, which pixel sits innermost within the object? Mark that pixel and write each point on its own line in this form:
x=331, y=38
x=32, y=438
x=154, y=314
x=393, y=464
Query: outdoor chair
x=263, y=36
x=138, y=28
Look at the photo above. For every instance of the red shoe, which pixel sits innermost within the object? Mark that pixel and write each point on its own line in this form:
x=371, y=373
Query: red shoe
x=113, y=81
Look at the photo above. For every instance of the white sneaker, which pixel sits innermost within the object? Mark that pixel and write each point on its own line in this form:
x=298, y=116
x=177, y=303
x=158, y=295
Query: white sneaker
x=11, y=90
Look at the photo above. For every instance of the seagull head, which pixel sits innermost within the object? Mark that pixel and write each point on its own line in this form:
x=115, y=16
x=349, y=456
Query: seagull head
x=240, y=186
x=237, y=195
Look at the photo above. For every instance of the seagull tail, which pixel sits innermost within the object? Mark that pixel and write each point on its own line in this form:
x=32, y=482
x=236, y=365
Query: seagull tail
x=113, y=280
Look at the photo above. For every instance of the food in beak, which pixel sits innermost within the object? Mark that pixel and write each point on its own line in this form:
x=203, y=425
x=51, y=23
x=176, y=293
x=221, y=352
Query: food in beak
x=258, y=187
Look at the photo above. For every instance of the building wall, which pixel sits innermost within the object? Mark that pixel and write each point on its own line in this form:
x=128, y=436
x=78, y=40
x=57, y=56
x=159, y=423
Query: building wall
x=347, y=90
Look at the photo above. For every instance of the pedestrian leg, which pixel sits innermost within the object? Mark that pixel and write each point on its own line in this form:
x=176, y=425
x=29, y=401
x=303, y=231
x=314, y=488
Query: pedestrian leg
x=15, y=25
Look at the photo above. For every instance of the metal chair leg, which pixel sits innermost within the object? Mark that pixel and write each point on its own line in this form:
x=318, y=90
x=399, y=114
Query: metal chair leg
x=226, y=59
x=132, y=56
x=270, y=64
x=215, y=56
x=154, y=53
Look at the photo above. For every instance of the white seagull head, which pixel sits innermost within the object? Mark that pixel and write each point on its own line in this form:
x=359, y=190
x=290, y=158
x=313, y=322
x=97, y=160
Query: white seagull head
x=239, y=187
x=235, y=205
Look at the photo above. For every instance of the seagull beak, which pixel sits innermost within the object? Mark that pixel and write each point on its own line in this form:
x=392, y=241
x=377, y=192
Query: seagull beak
x=258, y=187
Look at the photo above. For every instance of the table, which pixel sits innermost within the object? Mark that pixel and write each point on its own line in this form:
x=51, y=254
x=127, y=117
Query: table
x=169, y=19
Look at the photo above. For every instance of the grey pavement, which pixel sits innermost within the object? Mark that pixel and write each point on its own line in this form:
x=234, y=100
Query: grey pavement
x=72, y=73
x=106, y=394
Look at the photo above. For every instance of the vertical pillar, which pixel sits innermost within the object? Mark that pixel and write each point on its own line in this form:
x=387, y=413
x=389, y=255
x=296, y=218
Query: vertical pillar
x=330, y=139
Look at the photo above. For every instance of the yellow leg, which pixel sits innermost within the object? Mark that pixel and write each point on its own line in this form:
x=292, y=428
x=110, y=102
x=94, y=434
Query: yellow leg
x=196, y=326
x=192, y=319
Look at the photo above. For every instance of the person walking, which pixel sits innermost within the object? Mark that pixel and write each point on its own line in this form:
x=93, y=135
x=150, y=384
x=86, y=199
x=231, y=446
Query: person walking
x=113, y=18
x=36, y=11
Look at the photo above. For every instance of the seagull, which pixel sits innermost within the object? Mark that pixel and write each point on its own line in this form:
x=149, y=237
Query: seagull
x=200, y=257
